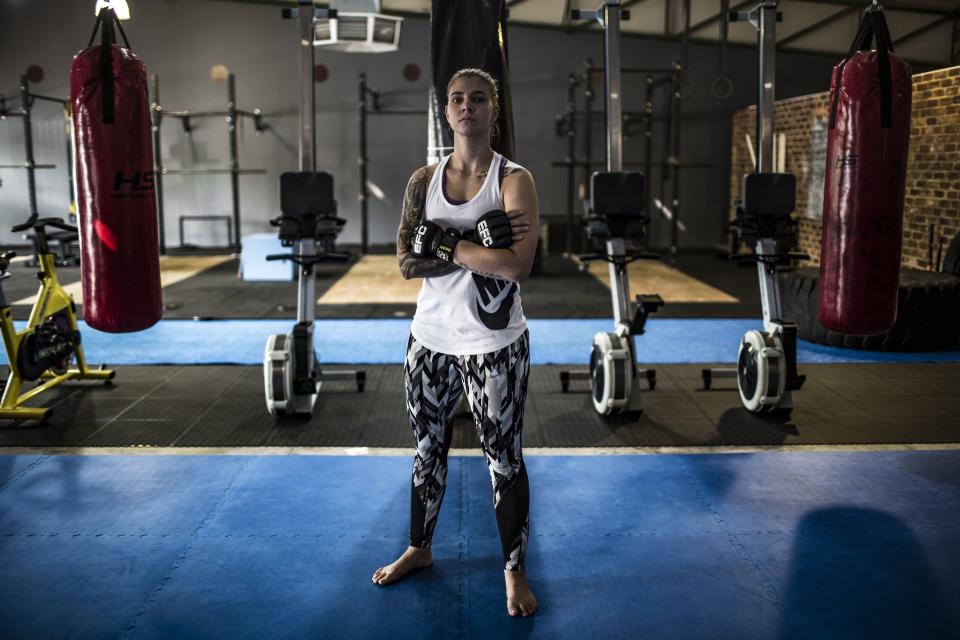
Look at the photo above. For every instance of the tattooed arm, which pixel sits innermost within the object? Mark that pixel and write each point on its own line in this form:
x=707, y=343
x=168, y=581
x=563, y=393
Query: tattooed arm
x=515, y=262
x=414, y=203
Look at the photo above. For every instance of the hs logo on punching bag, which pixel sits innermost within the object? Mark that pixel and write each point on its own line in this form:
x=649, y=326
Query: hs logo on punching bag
x=848, y=160
x=138, y=185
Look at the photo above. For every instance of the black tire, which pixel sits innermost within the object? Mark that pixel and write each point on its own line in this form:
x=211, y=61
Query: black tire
x=951, y=262
x=928, y=312
x=833, y=339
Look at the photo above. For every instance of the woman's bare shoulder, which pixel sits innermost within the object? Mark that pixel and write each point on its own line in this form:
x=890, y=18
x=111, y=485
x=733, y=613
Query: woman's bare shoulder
x=424, y=173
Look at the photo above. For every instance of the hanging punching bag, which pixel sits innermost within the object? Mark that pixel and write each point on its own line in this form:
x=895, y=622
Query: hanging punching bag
x=469, y=34
x=119, y=256
x=867, y=145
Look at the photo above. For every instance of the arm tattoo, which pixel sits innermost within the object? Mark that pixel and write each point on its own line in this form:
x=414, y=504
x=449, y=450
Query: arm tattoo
x=495, y=276
x=414, y=203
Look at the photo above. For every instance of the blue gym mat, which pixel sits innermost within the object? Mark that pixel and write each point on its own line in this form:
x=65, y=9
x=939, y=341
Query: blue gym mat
x=760, y=545
x=667, y=341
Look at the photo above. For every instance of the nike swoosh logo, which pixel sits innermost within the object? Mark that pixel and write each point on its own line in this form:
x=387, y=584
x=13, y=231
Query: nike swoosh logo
x=495, y=313
x=495, y=302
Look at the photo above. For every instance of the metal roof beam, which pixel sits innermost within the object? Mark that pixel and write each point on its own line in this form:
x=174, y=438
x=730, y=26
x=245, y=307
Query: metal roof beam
x=955, y=42
x=892, y=6
x=819, y=24
x=716, y=18
x=932, y=64
x=590, y=23
x=659, y=37
x=922, y=30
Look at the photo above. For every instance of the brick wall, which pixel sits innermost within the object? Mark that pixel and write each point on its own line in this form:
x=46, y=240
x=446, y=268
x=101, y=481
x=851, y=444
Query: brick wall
x=933, y=170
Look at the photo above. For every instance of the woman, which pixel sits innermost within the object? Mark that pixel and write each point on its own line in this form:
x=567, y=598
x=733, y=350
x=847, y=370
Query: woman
x=469, y=331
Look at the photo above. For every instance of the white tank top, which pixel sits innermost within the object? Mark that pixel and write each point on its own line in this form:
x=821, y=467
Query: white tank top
x=463, y=313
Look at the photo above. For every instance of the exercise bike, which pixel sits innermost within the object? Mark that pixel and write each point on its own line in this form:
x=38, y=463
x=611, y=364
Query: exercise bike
x=308, y=222
x=291, y=369
x=767, y=360
x=613, y=214
x=44, y=349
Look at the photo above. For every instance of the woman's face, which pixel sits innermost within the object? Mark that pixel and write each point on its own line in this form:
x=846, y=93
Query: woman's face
x=469, y=107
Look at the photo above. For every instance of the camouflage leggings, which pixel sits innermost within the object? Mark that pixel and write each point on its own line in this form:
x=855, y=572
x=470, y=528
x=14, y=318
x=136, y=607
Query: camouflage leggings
x=496, y=385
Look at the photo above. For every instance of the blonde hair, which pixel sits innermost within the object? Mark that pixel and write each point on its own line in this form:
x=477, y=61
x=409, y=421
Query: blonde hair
x=494, y=95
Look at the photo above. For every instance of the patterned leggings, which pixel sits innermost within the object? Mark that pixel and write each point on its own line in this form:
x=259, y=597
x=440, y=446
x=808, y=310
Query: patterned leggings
x=496, y=385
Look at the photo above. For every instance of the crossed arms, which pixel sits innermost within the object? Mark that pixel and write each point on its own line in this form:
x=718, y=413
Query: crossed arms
x=513, y=263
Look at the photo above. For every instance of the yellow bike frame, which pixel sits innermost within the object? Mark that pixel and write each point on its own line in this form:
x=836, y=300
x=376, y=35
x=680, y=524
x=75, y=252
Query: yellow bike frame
x=51, y=299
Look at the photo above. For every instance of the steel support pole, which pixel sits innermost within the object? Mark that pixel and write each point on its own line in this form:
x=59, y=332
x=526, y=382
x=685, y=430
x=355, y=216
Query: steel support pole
x=156, y=119
x=588, y=97
x=571, y=157
x=306, y=291
x=676, y=87
x=68, y=132
x=362, y=161
x=614, y=104
x=766, y=23
x=648, y=95
x=619, y=283
x=664, y=174
x=234, y=158
x=26, y=103
x=766, y=97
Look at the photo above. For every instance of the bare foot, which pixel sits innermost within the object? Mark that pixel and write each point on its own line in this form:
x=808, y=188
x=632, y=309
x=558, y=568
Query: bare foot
x=520, y=599
x=412, y=558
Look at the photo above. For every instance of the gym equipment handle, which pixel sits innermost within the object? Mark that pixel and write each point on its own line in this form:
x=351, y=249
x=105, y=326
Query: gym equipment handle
x=790, y=255
x=580, y=14
x=289, y=14
x=629, y=257
x=5, y=258
x=277, y=222
x=305, y=261
x=39, y=223
x=28, y=165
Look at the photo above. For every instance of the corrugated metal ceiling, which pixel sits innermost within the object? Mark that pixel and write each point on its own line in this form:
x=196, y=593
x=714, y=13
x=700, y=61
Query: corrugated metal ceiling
x=926, y=32
x=923, y=31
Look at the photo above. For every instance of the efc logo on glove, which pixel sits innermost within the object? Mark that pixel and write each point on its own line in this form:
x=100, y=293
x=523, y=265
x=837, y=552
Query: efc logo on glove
x=483, y=231
x=418, y=239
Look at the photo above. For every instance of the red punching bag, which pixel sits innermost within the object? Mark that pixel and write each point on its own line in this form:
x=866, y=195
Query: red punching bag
x=115, y=187
x=867, y=145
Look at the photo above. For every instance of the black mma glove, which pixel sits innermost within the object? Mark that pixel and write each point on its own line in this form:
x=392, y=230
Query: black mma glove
x=431, y=241
x=493, y=230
